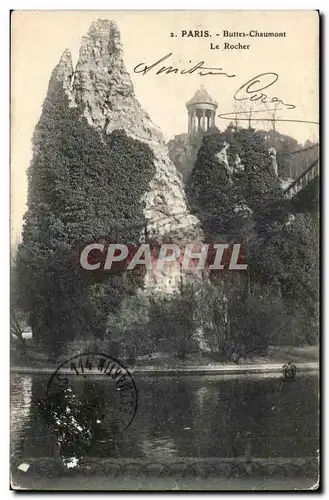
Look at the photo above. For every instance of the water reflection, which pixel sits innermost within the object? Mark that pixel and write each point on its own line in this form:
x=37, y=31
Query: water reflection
x=159, y=448
x=78, y=417
x=196, y=417
x=20, y=407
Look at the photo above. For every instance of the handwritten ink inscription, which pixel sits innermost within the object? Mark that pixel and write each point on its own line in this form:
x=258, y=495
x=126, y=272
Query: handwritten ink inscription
x=198, y=68
x=252, y=91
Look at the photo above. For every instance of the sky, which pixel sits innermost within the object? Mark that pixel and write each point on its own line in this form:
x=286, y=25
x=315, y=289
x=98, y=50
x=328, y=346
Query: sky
x=38, y=39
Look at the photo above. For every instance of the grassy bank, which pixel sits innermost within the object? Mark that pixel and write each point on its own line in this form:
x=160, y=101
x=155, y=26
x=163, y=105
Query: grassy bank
x=305, y=357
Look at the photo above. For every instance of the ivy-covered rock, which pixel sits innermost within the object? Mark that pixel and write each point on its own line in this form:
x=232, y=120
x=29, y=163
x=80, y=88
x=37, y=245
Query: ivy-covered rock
x=82, y=186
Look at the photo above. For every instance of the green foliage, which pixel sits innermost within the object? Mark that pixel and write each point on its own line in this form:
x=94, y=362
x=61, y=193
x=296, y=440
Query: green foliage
x=17, y=316
x=85, y=186
x=215, y=194
x=82, y=187
x=286, y=255
x=183, y=150
x=172, y=323
x=235, y=324
x=133, y=310
x=209, y=190
x=280, y=251
x=128, y=328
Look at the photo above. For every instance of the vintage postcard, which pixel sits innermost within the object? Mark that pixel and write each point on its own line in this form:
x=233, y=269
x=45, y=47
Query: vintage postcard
x=165, y=250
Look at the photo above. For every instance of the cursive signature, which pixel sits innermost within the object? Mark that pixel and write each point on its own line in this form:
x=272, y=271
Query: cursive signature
x=253, y=91
x=198, y=68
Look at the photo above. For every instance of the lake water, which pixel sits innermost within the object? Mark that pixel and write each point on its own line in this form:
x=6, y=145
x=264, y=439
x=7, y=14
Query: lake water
x=185, y=416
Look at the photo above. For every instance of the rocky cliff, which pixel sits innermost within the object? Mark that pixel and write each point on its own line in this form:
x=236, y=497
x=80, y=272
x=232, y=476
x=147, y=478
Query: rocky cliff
x=101, y=86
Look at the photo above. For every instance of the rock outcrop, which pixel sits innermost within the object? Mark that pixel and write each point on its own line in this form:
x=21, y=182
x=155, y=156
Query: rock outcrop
x=223, y=160
x=104, y=88
x=101, y=86
x=183, y=150
x=272, y=155
x=63, y=74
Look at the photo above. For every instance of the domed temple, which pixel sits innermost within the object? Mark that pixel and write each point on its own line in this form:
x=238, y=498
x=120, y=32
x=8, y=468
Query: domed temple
x=201, y=111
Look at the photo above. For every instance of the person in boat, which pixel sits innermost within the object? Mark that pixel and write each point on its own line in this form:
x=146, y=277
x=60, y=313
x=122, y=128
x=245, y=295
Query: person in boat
x=289, y=370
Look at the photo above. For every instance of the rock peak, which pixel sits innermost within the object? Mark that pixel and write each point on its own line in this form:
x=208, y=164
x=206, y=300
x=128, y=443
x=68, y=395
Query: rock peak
x=103, y=87
x=66, y=57
x=63, y=74
x=64, y=69
x=103, y=34
x=101, y=27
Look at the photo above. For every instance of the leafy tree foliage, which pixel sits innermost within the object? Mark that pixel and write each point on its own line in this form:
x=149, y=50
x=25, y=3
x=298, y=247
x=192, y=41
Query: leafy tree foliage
x=172, y=323
x=83, y=186
x=236, y=325
x=279, y=246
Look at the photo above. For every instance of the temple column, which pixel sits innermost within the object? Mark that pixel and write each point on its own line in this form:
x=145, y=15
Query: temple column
x=203, y=120
x=195, y=122
x=190, y=122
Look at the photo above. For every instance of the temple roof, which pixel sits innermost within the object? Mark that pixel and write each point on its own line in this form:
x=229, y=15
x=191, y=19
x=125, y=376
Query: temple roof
x=201, y=96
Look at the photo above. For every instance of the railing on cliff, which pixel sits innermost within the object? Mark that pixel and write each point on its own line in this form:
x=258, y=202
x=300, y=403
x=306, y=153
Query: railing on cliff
x=310, y=173
x=302, y=168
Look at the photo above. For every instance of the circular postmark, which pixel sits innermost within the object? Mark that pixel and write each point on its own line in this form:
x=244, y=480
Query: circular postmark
x=90, y=400
x=94, y=369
